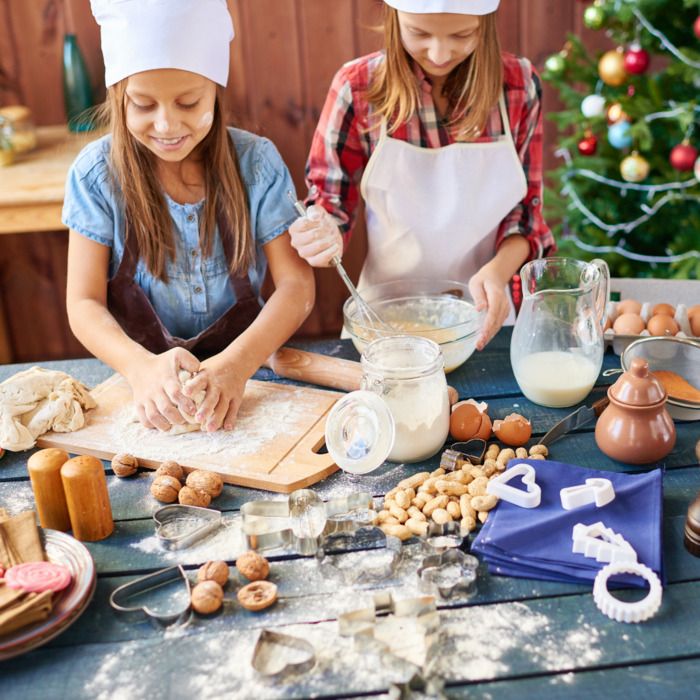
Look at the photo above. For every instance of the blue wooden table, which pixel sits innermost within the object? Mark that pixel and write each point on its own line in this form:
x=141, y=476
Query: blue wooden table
x=515, y=638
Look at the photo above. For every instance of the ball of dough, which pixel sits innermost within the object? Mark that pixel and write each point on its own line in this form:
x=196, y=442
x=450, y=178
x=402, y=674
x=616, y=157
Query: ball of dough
x=213, y=571
x=124, y=465
x=205, y=481
x=170, y=468
x=253, y=566
x=165, y=488
x=193, y=497
x=257, y=595
x=207, y=597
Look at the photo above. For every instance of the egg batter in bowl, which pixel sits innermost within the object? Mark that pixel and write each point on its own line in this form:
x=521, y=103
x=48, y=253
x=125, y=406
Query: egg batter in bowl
x=441, y=310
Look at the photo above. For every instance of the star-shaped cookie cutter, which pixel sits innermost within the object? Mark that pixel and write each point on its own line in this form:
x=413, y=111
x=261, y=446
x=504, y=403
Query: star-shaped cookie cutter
x=171, y=524
x=447, y=574
x=301, y=522
x=381, y=556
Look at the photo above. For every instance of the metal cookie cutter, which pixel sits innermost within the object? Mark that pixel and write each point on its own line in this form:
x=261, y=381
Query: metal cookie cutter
x=303, y=520
x=443, y=536
x=602, y=544
x=620, y=610
x=179, y=526
x=418, y=687
x=597, y=490
x=409, y=632
x=458, y=453
x=278, y=655
x=120, y=596
x=499, y=486
x=448, y=573
x=381, y=554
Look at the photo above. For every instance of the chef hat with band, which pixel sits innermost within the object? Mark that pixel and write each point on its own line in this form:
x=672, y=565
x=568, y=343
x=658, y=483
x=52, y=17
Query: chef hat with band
x=140, y=35
x=459, y=7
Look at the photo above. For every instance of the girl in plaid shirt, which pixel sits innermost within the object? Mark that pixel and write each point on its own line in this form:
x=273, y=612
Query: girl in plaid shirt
x=441, y=134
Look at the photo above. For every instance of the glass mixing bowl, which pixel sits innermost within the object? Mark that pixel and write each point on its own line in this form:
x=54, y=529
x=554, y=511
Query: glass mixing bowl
x=441, y=310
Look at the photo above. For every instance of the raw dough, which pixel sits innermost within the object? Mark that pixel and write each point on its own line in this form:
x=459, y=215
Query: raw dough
x=37, y=400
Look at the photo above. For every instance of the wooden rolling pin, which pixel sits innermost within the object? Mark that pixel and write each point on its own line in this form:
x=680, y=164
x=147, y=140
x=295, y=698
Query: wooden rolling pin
x=316, y=369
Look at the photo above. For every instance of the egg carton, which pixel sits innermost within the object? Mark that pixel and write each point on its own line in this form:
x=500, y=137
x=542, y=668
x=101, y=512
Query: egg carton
x=682, y=294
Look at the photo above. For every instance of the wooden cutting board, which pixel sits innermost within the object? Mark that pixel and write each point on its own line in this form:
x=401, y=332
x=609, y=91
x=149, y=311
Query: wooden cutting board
x=274, y=445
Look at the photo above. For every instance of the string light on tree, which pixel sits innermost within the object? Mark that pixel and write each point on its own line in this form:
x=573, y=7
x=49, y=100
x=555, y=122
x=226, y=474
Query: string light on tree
x=616, y=114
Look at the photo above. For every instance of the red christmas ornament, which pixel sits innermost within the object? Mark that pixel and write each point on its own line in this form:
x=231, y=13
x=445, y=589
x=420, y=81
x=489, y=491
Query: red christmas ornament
x=630, y=91
x=636, y=59
x=683, y=156
x=696, y=27
x=588, y=145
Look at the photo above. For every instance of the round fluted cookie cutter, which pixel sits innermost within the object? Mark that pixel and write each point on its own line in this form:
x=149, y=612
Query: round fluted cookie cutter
x=620, y=610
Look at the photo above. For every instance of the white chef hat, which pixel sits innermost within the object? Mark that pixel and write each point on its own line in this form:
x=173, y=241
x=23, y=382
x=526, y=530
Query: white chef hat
x=459, y=7
x=139, y=35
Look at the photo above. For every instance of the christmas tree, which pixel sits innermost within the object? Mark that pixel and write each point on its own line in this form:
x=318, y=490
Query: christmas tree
x=628, y=189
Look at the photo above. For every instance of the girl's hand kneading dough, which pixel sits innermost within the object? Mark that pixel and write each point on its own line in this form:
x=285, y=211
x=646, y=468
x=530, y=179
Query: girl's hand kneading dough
x=158, y=396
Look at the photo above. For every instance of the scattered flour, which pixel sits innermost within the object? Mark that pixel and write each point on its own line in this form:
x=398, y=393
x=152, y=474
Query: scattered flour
x=16, y=497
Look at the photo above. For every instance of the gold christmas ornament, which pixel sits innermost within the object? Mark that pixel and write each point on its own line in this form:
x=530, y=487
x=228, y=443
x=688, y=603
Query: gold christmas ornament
x=634, y=168
x=611, y=68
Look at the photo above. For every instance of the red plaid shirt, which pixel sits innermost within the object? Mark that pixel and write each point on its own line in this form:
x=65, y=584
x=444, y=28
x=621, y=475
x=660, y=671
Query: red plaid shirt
x=343, y=143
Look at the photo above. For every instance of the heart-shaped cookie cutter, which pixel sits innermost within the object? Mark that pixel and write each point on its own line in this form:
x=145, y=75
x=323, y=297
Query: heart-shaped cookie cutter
x=170, y=521
x=146, y=583
x=448, y=573
x=499, y=486
x=459, y=453
x=374, y=544
x=269, y=655
x=294, y=524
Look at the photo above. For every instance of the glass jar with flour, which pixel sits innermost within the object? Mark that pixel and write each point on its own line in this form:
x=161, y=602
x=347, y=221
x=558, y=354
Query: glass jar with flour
x=402, y=413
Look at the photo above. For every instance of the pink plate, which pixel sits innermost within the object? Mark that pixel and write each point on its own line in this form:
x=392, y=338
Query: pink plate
x=60, y=549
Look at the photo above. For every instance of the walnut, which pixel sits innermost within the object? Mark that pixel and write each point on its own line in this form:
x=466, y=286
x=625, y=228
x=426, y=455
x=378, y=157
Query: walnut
x=165, y=488
x=124, y=464
x=205, y=481
x=257, y=595
x=213, y=571
x=171, y=468
x=193, y=497
x=207, y=597
x=253, y=566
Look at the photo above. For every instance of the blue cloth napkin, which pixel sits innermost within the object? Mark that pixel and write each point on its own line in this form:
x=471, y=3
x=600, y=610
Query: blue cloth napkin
x=536, y=542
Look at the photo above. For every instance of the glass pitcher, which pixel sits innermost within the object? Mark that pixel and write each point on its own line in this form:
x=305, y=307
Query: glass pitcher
x=557, y=346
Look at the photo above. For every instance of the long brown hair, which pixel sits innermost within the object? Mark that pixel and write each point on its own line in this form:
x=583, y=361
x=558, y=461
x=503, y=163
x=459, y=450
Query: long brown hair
x=472, y=88
x=134, y=171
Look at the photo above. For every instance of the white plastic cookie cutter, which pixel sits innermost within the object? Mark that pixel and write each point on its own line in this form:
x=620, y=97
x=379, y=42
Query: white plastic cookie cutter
x=620, y=610
x=602, y=544
x=597, y=490
x=499, y=486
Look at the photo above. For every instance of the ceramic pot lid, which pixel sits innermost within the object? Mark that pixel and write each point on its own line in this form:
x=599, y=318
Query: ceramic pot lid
x=360, y=432
x=638, y=386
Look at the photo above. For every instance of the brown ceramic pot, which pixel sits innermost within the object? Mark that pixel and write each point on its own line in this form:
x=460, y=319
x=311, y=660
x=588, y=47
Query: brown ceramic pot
x=636, y=428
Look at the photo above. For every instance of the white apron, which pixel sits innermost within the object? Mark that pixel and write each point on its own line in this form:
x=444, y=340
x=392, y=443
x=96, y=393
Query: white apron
x=435, y=212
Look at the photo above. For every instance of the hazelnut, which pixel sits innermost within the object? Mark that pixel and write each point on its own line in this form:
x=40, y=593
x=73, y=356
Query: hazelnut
x=205, y=481
x=253, y=566
x=193, y=497
x=124, y=464
x=213, y=571
x=165, y=488
x=257, y=595
x=171, y=468
x=207, y=597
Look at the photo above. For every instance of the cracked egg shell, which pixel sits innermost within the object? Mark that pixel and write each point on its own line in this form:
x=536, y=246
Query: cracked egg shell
x=513, y=430
x=467, y=422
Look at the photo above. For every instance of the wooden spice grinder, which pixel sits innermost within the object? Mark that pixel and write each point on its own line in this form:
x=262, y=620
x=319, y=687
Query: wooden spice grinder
x=44, y=469
x=85, y=486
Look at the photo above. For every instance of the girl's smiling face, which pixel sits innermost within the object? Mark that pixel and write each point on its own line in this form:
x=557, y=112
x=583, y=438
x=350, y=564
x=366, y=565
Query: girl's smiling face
x=439, y=42
x=169, y=111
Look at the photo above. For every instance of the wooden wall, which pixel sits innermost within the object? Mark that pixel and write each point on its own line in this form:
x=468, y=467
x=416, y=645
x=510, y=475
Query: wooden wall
x=284, y=56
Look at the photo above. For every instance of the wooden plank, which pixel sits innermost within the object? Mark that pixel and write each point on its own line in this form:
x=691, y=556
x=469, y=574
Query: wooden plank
x=509, y=23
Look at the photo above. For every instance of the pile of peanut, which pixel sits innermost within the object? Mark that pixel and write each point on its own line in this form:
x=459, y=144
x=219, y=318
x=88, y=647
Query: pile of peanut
x=441, y=496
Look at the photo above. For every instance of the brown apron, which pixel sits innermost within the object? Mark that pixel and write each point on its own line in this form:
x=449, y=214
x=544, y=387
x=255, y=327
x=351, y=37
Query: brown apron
x=132, y=309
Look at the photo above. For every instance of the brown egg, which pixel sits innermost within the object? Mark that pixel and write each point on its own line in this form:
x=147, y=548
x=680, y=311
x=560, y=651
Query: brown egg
x=628, y=324
x=608, y=323
x=467, y=422
x=628, y=306
x=693, y=311
x=513, y=430
x=695, y=325
x=664, y=309
x=662, y=325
